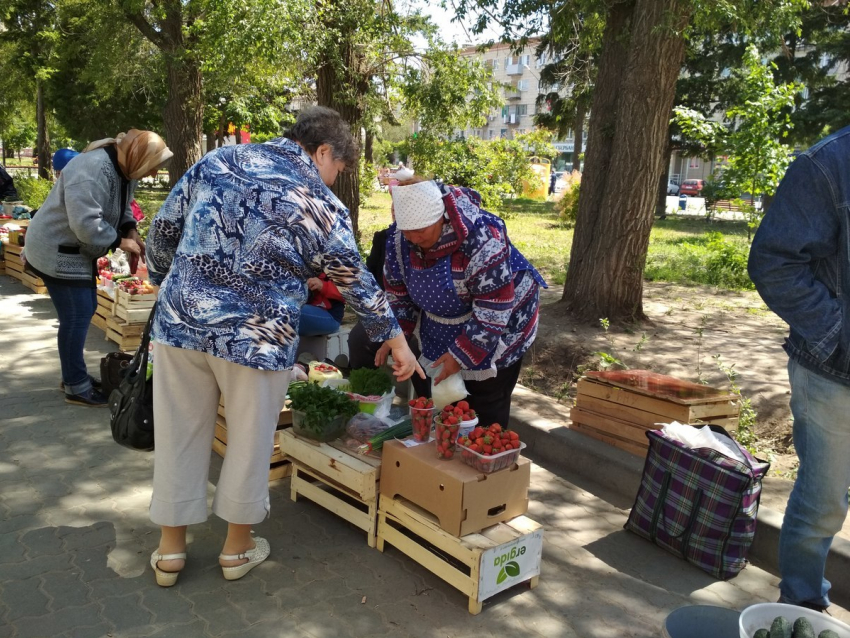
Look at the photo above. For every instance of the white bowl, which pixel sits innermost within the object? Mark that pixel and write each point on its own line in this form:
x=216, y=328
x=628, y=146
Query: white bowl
x=760, y=616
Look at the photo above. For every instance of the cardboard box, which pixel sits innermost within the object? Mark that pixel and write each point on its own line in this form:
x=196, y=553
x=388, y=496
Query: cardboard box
x=464, y=500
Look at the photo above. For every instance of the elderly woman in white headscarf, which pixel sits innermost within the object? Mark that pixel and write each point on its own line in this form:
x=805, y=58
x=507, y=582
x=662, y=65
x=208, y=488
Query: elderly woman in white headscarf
x=453, y=276
x=87, y=214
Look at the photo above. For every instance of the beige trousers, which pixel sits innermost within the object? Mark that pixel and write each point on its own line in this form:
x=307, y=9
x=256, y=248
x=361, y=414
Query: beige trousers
x=187, y=386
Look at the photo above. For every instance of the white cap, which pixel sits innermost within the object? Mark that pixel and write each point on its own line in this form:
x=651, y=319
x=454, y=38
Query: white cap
x=417, y=206
x=403, y=173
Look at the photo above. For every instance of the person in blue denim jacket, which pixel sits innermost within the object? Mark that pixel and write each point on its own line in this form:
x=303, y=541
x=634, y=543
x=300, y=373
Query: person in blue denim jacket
x=800, y=264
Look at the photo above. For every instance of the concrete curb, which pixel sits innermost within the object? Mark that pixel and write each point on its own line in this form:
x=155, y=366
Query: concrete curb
x=567, y=452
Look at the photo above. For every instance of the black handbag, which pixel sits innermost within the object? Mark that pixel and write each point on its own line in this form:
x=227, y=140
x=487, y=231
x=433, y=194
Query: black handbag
x=112, y=369
x=131, y=403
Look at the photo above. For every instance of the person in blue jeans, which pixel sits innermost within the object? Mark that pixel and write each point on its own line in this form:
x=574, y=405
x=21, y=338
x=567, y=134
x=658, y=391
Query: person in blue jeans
x=322, y=314
x=800, y=264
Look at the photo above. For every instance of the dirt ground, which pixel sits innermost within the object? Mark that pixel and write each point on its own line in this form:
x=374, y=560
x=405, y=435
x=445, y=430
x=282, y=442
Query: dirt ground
x=687, y=329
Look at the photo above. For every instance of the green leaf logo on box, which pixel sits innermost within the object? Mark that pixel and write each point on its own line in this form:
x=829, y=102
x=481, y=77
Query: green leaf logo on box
x=511, y=569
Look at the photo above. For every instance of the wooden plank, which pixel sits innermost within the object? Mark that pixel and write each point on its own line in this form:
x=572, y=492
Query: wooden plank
x=221, y=436
x=132, y=315
x=337, y=465
x=662, y=386
x=426, y=558
x=14, y=267
x=278, y=470
x=125, y=329
x=99, y=322
x=627, y=446
x=609, y=425
x=12, y=249
x=124, y=343
x=329, y=501
x=638, y=416
x=673, y=411
x=127, y=300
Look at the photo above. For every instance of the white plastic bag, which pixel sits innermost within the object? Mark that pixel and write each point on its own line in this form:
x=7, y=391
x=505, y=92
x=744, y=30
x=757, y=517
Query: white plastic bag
x=449, y=390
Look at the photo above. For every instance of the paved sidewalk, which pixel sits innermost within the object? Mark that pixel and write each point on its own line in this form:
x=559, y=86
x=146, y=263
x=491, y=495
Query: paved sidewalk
x=75, y=541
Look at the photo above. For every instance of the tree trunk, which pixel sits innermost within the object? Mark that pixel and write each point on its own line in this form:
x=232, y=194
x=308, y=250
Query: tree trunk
x=347, y=186
x=642, y=53
x=368, y=148
x=42, y=143
x=183, y=115
x=238, y=134
x=661, y=206
x=222, y=130
x=578, y=134
x=210, y=141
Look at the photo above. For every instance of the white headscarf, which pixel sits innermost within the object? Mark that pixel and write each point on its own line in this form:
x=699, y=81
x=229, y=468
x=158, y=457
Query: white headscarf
x=417, y=206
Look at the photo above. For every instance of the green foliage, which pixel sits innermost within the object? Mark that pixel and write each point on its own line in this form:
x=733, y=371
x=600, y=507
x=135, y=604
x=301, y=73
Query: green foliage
x=33, y=190
x=367, y=176
x=320, y=405
x=495, y=168
x=746, y=434
x=757, y=156
x=567, y=206
x=713, y=191
x=448, y=91
x=370, y=382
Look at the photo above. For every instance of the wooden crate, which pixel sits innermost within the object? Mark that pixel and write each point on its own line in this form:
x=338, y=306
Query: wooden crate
x=474, y=564
x=128, y=336
x=279, y=466
x=129, y=301
x=341, y=482
x=2, y=266
x=609, y=410
x=15, y=269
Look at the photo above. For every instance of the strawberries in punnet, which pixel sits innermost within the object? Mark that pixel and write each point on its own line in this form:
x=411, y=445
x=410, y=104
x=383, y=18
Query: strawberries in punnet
x=422, y=415
x=489, y=449
x=446, y=439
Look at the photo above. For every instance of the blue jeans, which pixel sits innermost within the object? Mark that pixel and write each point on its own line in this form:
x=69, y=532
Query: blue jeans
x=75, y=307
x=818, y=503
x=316, y=321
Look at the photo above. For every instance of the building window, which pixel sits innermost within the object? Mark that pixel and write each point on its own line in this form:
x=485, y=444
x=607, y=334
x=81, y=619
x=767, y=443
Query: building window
x=491, y=133
x=522, y=85
x=694, y=163
x=520, y=131
x=503, y=133
x=525, y=60
x=495, y=64
x=505, y=111
x=522, y=109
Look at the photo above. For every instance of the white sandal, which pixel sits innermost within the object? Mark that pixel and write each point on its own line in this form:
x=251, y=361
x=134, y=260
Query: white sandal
x=255, y=556
x=165, y=579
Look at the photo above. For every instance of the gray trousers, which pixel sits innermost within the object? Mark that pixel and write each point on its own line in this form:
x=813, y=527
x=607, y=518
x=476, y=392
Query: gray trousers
x=187, y=387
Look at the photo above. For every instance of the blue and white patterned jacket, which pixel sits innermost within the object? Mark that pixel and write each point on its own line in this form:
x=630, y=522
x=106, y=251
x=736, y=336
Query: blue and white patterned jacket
x=233, y=246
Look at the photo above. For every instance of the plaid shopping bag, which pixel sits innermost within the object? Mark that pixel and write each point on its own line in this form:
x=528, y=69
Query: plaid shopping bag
x=698, y=504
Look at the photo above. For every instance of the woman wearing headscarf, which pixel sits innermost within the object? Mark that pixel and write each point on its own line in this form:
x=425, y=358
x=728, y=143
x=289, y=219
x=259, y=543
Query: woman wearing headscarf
x=87, y=214
x=452, y=276
x=232, y=249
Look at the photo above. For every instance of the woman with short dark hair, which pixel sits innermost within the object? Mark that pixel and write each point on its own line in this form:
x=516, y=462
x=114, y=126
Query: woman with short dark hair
x=233, y=247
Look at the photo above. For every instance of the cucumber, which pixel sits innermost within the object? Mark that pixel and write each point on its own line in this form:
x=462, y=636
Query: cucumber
x=828, y=633
x=803, y=628
x=780, y=628
x=762, y=633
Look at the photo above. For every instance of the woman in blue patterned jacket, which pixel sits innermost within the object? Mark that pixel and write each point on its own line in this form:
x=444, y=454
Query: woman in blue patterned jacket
x=232, y=249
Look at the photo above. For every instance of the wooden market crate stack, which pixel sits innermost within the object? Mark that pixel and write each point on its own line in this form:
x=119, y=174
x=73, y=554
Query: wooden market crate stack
x=279, y=465
x=339, y=480
x=15, y=268
x=618, y=407
x=129, y=315
x=104, y=310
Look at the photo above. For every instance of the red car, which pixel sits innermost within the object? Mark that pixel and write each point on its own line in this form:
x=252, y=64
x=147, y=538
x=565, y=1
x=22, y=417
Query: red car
x=692, y=187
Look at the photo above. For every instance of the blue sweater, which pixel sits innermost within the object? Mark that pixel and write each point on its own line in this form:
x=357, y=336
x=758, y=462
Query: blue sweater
x=233, y=246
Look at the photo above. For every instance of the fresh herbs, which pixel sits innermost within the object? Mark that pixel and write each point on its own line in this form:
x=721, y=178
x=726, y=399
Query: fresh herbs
x=367, y=382
x=320, y=405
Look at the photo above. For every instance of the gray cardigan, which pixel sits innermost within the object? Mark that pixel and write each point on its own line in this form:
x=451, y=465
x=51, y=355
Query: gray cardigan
x=81, y=220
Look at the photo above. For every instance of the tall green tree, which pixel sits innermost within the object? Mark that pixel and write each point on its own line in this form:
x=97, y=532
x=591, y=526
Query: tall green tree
x=641, y=55
x=30, y=26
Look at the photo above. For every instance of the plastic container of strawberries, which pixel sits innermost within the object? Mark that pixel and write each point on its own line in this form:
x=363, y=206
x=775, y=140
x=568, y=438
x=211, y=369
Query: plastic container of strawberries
x=490, y=464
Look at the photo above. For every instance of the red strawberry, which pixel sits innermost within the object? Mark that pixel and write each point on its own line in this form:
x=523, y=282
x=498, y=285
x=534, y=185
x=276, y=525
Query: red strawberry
x=463, y=405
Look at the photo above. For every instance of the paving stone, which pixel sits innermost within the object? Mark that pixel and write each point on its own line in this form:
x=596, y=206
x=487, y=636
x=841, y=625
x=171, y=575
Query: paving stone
x=92, y=564
x=23, y=598
x=33, y=567
x=95, y=631
x=96, y=535
x=218, y=613
x=65, y=589
x=253, y=599
x=195, y=629
x=126, y=614
x=58, y=622
x=167, y=605
x=41, y=542
x=282, y=626
x=322, y=620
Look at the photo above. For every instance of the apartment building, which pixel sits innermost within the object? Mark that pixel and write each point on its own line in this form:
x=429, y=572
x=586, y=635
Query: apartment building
x=520, y=73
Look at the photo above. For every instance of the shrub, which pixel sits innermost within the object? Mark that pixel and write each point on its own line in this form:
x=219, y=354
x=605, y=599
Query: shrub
x=567, y=206
x=367, y=176
x=727, y=263
x=33, y=190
